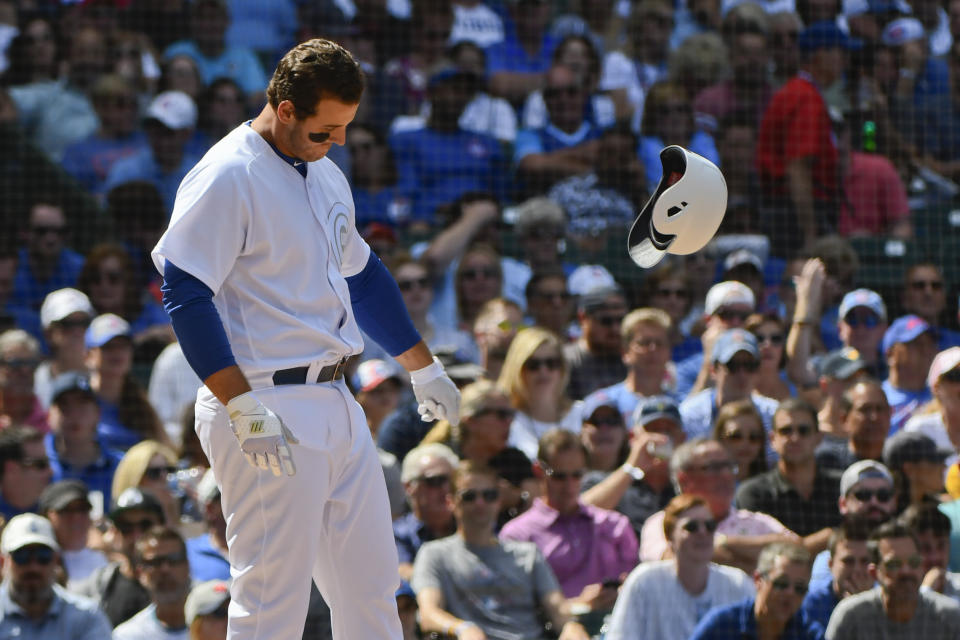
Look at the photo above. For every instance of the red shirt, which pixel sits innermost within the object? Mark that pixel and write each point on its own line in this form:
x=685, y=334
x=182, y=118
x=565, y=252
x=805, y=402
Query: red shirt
x=875, y=196
x=797, y=125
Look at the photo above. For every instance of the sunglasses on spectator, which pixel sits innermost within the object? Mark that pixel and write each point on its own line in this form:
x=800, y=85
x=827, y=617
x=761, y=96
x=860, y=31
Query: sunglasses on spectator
x=362, y=146
x=37, y=464
x=557, y=92
x=673, y=293
x=650, y=343
x=535, y=364
x=126, y=527
x=713, y=468
x=787, y=430
x=435, y=482
x=775, y=339
x=920, y=285
x=869, y=320
x=608, y=321
x=695, y=526
x=951, y=376
x=20, y=363
x=170, y=559
x=562, y=476
x=864, y=495
x=470, y=495
x=475, y=274
x=740, y=436
x=500, y=413
x=561, y=296
x=732, y=314
x=606, y=421
x=158, y=473
x=410, y=284
x=109, y=277
x=783, y=583
x=26, y=555
x=737, y=367
x=895, y=564
x=42, y=230
x=543, y=233
x=76, y=323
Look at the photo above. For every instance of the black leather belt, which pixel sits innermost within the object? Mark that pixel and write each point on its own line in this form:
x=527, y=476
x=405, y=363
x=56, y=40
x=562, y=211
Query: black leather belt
x=298, y=375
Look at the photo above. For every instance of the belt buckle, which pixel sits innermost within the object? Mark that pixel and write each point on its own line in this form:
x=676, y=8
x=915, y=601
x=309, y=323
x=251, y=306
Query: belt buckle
x=338, y=369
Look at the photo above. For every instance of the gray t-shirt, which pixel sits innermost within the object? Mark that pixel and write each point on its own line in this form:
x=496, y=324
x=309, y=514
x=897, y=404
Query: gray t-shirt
x=499, y=587
x=861, y=617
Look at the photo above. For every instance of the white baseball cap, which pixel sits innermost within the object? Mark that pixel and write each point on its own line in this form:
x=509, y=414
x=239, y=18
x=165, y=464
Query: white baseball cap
x=105, y=328
x=205, y=598
x=727, y=293
x=684, y=212
x=173, y=109
x=946, y=360
x=589, y=277
x=372, y=373
x=902, y=31
x=62, y=303
x=26, y=529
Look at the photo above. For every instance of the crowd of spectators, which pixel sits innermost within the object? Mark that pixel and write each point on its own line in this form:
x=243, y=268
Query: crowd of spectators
x=757, y=440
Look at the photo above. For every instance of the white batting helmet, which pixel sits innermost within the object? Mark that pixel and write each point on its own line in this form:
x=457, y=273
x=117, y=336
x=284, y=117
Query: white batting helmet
x=684, y=212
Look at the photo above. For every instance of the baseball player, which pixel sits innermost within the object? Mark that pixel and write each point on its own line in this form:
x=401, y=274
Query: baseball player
x=268, y=283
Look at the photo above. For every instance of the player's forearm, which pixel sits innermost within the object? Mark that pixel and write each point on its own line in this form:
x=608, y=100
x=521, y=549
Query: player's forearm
x=227, y=383
x=416, y=357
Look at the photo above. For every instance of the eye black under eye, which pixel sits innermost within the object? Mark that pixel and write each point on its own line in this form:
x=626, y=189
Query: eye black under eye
x=323, y=136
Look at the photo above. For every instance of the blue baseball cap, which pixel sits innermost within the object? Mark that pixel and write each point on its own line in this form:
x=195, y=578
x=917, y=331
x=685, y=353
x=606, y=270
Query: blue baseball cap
x=824, y=35
x=731, y=342
x=105, y=328
x=867, y=298
x=904, y=329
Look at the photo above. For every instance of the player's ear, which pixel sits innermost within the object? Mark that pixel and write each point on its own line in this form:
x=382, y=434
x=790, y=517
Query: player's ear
x=286, y=112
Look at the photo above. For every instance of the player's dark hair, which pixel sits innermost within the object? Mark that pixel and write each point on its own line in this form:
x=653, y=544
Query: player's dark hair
x=854, y=528
x=312, y=70
x=798, y=405
x=926, y=516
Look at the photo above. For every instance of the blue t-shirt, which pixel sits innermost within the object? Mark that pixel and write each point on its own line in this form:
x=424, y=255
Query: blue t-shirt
x=438, y=167
x=510, y=56
x=688, y=369
x=738, y=622
x=28, y=292
x=90, y=160
x=97, y=476
x=142, y=166
x=820, y=603
x=205, y=560
x=388, y=206
x=111, y=433
x=903, y=404
x=237, y=63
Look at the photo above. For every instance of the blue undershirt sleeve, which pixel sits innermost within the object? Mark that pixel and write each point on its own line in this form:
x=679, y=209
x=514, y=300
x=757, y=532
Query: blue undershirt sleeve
x=196, y=322
x=379, y=308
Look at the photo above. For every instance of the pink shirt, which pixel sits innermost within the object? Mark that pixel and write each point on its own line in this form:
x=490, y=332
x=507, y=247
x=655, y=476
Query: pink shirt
x=739, y=522
x=588, y=547
x=875, y=196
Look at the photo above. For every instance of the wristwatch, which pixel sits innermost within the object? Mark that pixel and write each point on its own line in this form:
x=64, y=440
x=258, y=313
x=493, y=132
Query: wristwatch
x=634, y=472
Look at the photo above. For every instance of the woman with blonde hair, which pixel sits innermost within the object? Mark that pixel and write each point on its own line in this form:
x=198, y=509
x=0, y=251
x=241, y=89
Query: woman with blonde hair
x=146, y=466
x=535, y=376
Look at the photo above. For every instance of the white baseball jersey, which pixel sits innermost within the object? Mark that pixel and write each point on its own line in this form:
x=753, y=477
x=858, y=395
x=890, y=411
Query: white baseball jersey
x=275, y=249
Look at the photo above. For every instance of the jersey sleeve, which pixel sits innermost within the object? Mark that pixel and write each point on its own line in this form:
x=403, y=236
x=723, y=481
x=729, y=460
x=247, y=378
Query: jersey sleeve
x=209, y=226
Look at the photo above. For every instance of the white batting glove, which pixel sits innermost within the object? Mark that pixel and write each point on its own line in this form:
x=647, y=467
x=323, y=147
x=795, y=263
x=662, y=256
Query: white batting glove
x=438, y=397
x=263, y=436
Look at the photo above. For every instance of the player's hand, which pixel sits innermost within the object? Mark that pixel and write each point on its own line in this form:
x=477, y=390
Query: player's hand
x=263, y=436
x=438, y=398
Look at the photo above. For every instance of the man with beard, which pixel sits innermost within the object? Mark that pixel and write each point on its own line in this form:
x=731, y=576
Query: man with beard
x=162, y=569
x=897, y=608
x=32, y=607
x=866, y=493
